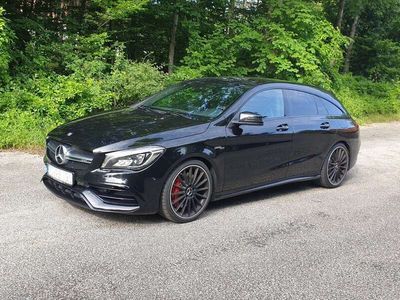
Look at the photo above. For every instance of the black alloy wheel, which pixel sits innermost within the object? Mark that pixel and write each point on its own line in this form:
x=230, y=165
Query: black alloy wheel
x=335, y=167
x=187, y=192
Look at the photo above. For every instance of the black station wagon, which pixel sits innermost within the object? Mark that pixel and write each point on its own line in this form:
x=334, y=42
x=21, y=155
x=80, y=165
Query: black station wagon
x=199, y=141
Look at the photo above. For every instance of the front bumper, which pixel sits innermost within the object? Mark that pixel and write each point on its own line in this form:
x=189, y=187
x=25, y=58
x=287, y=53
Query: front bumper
x=122, y=191
x=87, y=198
x=117, y=192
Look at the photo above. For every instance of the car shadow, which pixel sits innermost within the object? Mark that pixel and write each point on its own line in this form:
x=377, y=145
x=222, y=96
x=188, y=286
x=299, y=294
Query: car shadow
x=271, y=193
x=262, y=195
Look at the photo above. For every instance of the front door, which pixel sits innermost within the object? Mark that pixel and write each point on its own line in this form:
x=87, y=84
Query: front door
x=258, y=154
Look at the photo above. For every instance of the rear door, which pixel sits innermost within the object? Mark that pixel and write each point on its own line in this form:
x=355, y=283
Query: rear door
x=312, y=133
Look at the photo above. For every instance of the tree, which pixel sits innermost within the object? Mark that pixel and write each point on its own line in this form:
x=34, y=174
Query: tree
x=351, y=43
x=6, y=37
x=172, y=42
x=293, y=42
x=340, y=14
x=118, y=9
x=356, y=8
x=372, y=27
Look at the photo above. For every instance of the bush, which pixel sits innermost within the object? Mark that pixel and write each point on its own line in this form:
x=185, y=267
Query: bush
x=22, y=129
x=28, y=111
x=77, y=78
x=130, y=82
x=364, y=98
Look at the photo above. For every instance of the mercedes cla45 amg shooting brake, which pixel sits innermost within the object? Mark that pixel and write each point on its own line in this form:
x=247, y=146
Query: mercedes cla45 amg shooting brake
x=199, y=141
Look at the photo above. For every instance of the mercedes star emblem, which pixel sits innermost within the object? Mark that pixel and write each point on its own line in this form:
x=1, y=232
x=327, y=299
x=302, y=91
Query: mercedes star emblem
x=60, y=154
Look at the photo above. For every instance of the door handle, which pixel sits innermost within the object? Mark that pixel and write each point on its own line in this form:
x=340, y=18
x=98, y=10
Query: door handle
x=325, y=125
x=282, y=127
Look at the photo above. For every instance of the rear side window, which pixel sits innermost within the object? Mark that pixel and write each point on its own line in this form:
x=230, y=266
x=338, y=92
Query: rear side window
x=320, y=106
x=269, y=104
x=300, y=104
x=326, y=108
x=332, y=109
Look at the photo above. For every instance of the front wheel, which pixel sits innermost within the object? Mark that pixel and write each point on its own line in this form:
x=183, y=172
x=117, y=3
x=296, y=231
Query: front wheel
x=335, y=166
x=187, y=192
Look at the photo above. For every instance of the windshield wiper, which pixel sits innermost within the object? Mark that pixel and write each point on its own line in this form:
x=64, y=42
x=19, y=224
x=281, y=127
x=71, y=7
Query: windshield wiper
x=181, y=114
x=151, y=109
x=172, y=112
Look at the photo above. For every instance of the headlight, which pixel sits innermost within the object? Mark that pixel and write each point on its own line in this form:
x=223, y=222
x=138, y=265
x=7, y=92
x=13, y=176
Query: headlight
x=133, y=159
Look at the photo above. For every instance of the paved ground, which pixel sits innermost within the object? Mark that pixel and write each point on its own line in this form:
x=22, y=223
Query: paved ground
x=297, y=241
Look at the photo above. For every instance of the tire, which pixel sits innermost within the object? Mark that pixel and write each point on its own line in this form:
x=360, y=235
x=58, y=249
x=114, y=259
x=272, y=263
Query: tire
x=186, y=192
x=335, y=167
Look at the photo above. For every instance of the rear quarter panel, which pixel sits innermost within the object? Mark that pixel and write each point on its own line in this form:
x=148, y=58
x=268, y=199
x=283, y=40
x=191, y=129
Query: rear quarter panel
x=348, y=131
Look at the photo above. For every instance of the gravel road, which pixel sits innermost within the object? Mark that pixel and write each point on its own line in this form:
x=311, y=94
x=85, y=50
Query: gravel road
x=290, y=242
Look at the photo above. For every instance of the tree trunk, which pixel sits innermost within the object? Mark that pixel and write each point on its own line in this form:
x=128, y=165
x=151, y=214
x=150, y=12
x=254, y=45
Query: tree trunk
x=231, y=14
x=82, y=10
x=350, y=47
x=25, y=8
x=231, y=11
x=171, y=54
x=340, y=15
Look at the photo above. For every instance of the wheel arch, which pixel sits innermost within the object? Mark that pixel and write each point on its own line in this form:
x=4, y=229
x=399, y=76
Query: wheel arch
x=202, y=152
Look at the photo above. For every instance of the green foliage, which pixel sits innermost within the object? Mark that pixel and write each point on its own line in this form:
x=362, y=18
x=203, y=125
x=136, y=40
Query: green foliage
x=65, y=59
x=377, y=39
x=379, y=59
x=130, y=82
x=119, y=9
x=6, y=36
x=295, y=42
x=22, y=129
x=80, y=77
x=363, y=98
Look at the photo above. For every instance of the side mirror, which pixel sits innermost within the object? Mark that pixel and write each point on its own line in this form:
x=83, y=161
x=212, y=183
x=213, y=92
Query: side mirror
x=249, y=118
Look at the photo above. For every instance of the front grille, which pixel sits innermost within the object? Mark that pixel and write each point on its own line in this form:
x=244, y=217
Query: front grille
x=77, y=159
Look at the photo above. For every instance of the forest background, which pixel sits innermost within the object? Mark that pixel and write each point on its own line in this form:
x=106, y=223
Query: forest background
x=64, y=59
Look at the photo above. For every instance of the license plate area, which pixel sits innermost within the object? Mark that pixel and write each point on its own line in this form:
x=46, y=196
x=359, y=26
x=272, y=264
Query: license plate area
x=60, y=175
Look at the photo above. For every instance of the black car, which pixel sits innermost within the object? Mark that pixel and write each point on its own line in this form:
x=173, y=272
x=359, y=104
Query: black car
x=199, y=141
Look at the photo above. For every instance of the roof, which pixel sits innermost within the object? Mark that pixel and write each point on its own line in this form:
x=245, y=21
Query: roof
x=250, y=81
x=257, y=81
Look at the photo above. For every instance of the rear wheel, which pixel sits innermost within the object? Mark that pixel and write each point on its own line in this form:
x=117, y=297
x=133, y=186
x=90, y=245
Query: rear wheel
x=187, y=192
x=335, y=166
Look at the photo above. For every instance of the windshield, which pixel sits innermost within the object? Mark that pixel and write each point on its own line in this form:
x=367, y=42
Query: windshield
x=197, y=98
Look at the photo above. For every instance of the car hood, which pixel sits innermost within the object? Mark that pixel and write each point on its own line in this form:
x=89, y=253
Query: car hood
x=116, y=130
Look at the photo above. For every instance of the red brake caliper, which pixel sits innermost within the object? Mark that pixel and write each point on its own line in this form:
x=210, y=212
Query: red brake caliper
x=175, y=192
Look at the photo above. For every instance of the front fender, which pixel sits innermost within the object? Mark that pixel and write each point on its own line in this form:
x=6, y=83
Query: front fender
x=207, y=154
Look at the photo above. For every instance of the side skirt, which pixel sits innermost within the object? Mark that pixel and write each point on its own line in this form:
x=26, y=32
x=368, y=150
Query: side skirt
x=265, y=186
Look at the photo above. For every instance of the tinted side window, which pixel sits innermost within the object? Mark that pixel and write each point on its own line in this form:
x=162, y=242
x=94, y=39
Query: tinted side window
x=268, y=104
x=332, y=109
x=300, y=104
x=322, y=111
